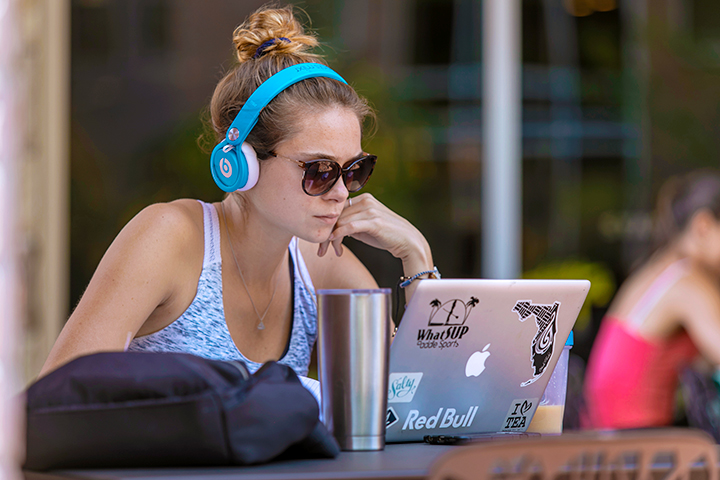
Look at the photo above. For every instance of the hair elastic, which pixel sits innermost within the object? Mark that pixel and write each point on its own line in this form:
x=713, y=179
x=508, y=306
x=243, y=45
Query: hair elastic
x=261, y=49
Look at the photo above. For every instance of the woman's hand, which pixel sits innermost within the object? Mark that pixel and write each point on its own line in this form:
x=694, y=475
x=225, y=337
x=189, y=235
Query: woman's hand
x=369, y=221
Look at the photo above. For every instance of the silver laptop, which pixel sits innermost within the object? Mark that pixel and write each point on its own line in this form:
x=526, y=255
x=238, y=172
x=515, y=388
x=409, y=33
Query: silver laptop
x=475, y=356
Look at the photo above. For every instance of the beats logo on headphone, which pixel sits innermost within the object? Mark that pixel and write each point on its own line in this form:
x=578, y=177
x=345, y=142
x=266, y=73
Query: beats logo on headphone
x=233, y=162
x=225, y=167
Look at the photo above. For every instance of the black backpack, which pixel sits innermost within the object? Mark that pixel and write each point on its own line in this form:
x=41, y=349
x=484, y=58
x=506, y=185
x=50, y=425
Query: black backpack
x=133, y=409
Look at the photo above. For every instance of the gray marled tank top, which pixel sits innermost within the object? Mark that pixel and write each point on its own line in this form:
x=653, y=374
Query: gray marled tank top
x=201, y=329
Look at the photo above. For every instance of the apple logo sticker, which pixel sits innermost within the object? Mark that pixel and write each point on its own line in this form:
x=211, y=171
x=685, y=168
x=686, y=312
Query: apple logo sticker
x=476, y=363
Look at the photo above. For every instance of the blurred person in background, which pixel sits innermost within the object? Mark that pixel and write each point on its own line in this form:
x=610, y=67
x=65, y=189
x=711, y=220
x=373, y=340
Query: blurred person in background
x=665, y=315
x=236, y=279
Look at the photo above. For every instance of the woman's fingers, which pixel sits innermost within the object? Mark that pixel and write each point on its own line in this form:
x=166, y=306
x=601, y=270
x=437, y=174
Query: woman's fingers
x=377, y=227
x=335, y=240
x=337, y=246
x=369, y=221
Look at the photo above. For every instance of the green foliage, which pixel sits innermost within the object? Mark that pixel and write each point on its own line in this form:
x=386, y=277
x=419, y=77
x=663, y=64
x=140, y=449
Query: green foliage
x=683, y=88
x=404, y=147
x=601, y=279
x=174, y=166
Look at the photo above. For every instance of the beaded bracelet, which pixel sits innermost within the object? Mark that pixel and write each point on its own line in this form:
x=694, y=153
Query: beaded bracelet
x=405, y=281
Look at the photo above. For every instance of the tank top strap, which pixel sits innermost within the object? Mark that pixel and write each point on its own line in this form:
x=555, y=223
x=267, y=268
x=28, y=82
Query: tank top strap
x=301, y=270
x=659, y=287
x=211, y=224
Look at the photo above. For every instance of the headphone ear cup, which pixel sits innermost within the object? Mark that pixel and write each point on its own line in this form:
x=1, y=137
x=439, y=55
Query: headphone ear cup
x=224, y=167
x=252, y=164
x=234, y=169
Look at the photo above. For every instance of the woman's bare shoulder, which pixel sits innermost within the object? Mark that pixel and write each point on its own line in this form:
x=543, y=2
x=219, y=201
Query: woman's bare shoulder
x=178, y=222
x=697, y=285
x=642, y=282
x=165, y=236
x=182, y=213
x=696, y=303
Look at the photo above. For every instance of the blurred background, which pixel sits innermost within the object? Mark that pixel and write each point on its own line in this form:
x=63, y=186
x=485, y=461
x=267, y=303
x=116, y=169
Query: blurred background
x=616, y=96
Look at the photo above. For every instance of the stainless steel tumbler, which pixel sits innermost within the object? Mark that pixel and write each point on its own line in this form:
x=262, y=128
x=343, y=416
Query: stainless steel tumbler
x=353, y=351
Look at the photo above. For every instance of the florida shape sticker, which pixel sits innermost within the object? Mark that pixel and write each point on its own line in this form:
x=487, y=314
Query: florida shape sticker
x=542, y=345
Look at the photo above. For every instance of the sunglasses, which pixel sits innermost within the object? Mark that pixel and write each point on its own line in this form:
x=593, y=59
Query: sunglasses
x=320, y=176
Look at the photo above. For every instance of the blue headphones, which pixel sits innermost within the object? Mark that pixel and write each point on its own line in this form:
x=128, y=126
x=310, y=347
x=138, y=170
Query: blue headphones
x=236, y=169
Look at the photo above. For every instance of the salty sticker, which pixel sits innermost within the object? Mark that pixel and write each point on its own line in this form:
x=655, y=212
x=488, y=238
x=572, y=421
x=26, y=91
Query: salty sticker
x=402, y=386
x=541, y=349
x=391, y=418
x=519, y=415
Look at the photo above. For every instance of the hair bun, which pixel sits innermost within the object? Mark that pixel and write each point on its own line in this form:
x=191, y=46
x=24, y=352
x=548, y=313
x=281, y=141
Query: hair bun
x=272, y=25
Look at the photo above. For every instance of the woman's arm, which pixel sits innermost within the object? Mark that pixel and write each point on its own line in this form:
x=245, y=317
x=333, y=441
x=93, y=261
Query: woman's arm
x=696, y=301
x=145, y=270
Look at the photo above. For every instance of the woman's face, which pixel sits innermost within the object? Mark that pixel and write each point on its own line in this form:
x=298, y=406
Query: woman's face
x=278, y=197
x=705, y=230
x=713, y=246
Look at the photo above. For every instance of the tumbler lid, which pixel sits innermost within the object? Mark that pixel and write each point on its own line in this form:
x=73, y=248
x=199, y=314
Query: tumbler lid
x=354, y=291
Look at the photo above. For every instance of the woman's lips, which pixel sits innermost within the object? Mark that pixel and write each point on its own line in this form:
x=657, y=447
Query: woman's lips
x=329, y=219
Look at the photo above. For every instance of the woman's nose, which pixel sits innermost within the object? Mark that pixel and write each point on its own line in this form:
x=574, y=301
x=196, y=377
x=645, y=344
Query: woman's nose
x=339, y=191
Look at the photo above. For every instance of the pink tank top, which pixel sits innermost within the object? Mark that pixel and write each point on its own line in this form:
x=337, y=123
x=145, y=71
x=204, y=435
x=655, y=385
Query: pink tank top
x=630, y=382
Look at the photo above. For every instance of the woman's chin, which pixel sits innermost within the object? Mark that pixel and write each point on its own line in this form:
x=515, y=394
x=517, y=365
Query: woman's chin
x=318, y=236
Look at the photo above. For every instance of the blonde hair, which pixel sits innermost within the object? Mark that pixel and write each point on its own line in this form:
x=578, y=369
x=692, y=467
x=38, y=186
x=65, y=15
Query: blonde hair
x=270, y=40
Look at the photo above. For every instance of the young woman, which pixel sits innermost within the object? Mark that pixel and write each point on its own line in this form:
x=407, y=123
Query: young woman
x=664, y=315
x=237, y=279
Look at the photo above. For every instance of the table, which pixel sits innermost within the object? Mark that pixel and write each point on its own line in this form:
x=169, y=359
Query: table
x=660, y=450
x=398, y=462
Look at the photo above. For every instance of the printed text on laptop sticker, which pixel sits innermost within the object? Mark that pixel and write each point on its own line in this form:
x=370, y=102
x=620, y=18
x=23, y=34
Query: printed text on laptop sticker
x=519, y=415
x=402, y=386
x=443, y=418
x=542, y=345
x=446, y=325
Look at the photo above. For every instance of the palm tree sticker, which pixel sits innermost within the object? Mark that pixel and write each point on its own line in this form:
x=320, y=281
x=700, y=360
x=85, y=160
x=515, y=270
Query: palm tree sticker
x=452, y=312
x=435, y=306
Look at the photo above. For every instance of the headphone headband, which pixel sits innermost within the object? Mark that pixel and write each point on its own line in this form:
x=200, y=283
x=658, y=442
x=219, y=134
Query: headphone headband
x=236, y=168
x=269, y=89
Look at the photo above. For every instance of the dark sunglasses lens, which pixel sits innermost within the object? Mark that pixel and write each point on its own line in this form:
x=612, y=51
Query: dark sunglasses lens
x=320, y=177
x=358, y=173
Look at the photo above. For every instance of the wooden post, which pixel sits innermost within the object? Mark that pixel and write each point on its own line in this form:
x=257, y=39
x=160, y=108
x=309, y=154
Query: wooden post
x=11, y=138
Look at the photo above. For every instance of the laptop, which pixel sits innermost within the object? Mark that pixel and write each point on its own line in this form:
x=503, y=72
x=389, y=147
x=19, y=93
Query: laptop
x=474, y=356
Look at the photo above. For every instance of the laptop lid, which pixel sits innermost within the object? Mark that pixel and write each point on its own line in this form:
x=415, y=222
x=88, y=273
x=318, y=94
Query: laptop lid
x=474, y=356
